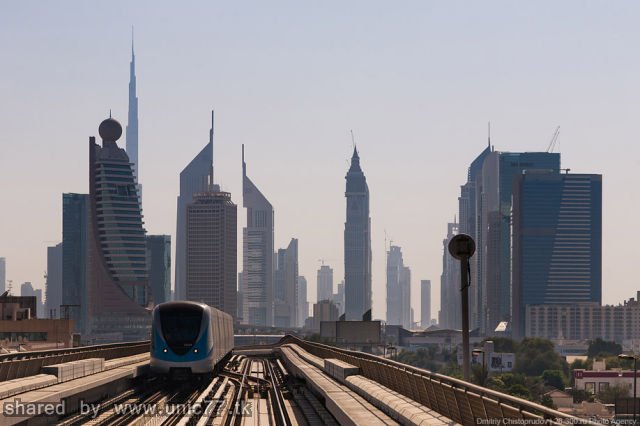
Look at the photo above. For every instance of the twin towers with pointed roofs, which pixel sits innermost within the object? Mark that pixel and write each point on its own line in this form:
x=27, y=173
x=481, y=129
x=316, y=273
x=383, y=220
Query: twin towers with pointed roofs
x=255, y=285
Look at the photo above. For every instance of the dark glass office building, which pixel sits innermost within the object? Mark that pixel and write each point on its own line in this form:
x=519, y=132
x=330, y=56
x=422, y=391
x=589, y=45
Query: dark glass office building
x=159, y=261
x=557, y=241
x=75, y=212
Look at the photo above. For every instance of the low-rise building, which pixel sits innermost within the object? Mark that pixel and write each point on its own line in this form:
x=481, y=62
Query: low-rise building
x=20, y=327
x=599, y=378
x=584, y=321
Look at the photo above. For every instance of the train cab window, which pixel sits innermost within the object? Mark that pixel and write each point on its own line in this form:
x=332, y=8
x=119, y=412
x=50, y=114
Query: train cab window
x=180, y=326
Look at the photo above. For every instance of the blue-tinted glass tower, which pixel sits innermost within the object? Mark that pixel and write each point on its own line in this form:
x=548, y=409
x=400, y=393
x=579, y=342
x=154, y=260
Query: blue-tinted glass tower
x=159, y=258
x=494, y=228
x=557, y=241
x=75, y=214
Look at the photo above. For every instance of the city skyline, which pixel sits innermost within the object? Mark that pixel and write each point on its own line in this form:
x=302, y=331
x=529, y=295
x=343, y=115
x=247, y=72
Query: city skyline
x=453, y=136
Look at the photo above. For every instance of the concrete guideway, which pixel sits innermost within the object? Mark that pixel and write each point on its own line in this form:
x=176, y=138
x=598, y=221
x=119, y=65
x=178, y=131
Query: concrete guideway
x=66, y=394
x=294, y=383
x=347, y=407
x=25, y=364
x=460, y=401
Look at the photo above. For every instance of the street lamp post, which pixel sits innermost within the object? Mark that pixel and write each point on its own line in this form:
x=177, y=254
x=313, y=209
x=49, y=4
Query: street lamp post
x=635, y=381
x=462, y=247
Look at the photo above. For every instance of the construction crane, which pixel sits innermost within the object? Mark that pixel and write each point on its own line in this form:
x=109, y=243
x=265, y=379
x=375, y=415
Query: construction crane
x=554, y=138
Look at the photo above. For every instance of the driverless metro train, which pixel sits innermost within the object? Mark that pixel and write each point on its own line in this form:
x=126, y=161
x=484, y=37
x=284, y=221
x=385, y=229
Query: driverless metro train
x=189, y=337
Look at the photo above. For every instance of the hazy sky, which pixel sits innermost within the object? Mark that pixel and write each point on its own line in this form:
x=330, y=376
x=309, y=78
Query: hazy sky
x=417, y=81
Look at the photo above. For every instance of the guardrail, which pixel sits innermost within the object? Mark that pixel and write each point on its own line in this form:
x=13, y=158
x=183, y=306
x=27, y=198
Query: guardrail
x=23, y=364
x=460, y=401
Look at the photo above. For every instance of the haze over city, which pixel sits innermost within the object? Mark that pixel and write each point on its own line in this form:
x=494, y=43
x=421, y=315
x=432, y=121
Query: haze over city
x=417, y=83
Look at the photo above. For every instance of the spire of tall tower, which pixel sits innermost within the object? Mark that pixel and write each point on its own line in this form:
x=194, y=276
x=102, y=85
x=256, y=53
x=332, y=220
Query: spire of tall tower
x=132, y=122
x=244, y=165
x=211, y=131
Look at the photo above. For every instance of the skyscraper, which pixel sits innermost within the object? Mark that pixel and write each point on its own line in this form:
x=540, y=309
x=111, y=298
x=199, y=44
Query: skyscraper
x=240, y=300
x=484, y=209
x=257, y=256
x=357, y=244
x=450, y=304
x=159, y=260
x=193, y=179
x=324, y=310
x=211, y=243
x=75, y=219
x=498, y=172
x=398, y=289
x=132, y=124
x=303, y=304
x=425, y=303
x=3, y=275
x=557, y=241
x=338, y=297
x=118, y=292
x=54, y=281
x=324, y=286
x=286, y=286
x=470, y=211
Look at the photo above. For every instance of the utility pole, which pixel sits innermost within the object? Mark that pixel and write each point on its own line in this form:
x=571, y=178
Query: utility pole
x=462, y=247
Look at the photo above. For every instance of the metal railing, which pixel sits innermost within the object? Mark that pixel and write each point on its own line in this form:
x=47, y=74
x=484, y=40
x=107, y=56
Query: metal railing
x=24, y=364
x=460, y=401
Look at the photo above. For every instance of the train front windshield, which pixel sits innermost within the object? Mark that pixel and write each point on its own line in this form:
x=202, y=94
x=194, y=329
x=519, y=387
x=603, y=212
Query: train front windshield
x=180, y=326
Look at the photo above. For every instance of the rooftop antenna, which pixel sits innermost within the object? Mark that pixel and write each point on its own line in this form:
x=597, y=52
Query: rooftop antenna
x=211, y=142
x=109, y=112
x=554, y=139
x=489, y=134
x=353, y=139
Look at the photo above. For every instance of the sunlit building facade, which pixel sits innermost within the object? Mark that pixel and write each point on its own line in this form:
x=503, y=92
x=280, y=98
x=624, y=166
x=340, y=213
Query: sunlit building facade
x=118, y=293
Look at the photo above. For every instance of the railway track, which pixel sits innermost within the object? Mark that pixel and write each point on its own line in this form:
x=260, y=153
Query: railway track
x=249, y=391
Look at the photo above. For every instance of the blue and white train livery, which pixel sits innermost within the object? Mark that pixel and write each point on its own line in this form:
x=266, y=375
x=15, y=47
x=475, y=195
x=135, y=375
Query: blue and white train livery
x=189, y=337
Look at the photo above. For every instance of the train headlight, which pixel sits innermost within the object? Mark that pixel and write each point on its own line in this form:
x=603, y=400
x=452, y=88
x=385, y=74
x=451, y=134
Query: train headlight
x=195, y=350
x=164, y=350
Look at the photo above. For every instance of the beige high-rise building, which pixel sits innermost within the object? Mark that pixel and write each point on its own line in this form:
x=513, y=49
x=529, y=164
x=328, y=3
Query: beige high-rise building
x=325, y=310
x=211, y=250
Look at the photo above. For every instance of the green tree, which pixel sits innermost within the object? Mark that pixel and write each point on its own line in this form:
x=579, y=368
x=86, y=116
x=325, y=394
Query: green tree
x=479, y=374
x=602, y=348
x=580, y=364
x=519, y=390
x=536, y=355
x=547, y=401
x=580, y=395
x=553, y=378
x=503, y=344
x=613, y=393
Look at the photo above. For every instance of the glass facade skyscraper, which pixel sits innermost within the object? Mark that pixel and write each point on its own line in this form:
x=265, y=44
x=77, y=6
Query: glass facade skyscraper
x=257, y=257
x=75, y=216
x=357, y=244
x=159, y=261
x=398, y=289
x=557, y=241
